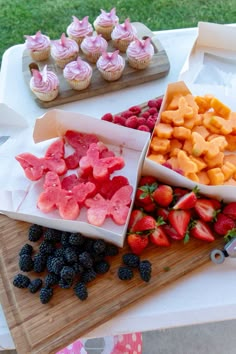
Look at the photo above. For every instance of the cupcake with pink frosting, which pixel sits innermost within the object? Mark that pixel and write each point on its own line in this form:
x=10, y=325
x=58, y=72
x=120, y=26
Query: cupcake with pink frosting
x=44, y=84
x=123, y=34
x=105, y=23
x=111, y=65
x=78, y=74
x=79, y=29
x=93, y=46
x=64, y=50
x=38, y=46
x=140, y=53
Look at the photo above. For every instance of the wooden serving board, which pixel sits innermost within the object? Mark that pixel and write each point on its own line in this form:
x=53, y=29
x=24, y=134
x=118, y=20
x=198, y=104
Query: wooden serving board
x=158, y=68
x=44, y=329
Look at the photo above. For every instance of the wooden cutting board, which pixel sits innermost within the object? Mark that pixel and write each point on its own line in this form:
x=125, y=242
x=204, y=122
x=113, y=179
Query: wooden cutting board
x=158, y=68
x=44, y=329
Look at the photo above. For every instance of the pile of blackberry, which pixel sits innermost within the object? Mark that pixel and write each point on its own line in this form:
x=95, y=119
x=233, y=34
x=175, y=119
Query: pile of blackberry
x=131, y=262
x=61, y=259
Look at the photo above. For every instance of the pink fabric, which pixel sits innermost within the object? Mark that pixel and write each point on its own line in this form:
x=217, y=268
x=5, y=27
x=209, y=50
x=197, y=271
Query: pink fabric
x=76, y=347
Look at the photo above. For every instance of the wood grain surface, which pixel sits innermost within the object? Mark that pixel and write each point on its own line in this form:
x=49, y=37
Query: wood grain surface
x=44, y=329
x=159, y=67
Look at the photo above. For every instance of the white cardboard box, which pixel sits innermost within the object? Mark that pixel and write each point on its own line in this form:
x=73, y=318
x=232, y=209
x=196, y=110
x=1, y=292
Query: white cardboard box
x=18, y=195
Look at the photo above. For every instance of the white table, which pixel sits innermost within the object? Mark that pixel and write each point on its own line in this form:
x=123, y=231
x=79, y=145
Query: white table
x=205, y=295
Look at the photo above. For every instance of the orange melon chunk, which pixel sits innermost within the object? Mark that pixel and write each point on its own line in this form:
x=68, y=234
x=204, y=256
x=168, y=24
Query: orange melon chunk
x=186, y=164
x=216, y=176
x=160, y=145
x=163, y=130
x=220, y=108
x=181, y=133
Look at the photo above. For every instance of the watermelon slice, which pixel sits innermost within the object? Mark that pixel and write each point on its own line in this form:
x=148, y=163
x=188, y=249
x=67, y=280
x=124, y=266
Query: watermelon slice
x=110, y=186
x=32, y=165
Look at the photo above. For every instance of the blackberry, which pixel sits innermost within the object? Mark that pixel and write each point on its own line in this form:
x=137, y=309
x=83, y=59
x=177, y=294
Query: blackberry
x=46, y=247
x=49, y=263
x=101, y=267
x=88, y=275
x=35, y=233
x=52, y=235
x=81, y=291
x=45, y=295
x=26, y=263
x=145, y=270
x=88, y=245
x=59, y=252
x=35, y=285
x=65, y=284
x=86, y=260
x=67, y=273
x=40, y=262
x=21, y=281
x=70, y=255
x=26, y=249
x=99, y=246
x=125, y=273
x=56, y=264
x=78, y=268
x=76, y=239
x=65, y=239
x=131, y=260
x=51, y=279
x=111, y=250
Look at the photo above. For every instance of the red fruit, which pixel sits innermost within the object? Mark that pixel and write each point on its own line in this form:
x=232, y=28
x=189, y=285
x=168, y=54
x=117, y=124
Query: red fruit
x=145, y=114
x=127, y=114
x=171, y=232
x=149, y=208
x=146, y=223
x=135, y=109
x=143, y=194
x=51, y=180
x=163, y=195
x=180, y=219
x=68, y=208
x=141, y=121
x=230, y=210
x=117, y=207
x=152, y=110
x=137, y=243
x=159, y=238
x=33, y=166
x=135, y=216
x=168, y=165
x=119, y=120
x=56, y=150
x=223, y=224
x=202, y=231
x=180, y=192
x=109, y=188
x=155, y=103
x=131, y=122
x=108, y=117
x=151, y=122
x=205, y=209
x=82, y=190
x=163, y=213
x=187, y=201
x=147, y=180
x=144, y=128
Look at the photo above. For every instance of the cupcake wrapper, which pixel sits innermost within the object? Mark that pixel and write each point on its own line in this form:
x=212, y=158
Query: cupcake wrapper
x=78, y=39
x=92, y=57
x=46, y=97
x=40, y=55
x=111, y=76
x=104, y=31
x=122, y=45
x=62, y=62
x=139, y=64
x=79, y=85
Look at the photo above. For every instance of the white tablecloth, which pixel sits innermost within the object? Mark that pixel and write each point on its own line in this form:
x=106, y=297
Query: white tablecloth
x=205, y=295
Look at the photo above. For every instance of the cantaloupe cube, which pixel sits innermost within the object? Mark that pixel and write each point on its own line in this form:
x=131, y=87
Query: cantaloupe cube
x=212, y=136
x=173, y=161
x=215, y=146
x=200, y=129
x=157, y=158
x=203, y=177
x=230, y=158
x=216, y=176
x=230, y=182
x=224, y=125
x=200, y=146
x=228, y=170
x=220, y=108
x=160, y=145
x=175, y=143
x=174, y=152
x=232, y=118
x=216, y=161
x=231, y=140
x=203, y=104
x=174, y=103
x=190, y=99
x=181, y=133
x=186, y=164
x=188, y=146
x=163, y=130
x=193, y=176
x=201, y=164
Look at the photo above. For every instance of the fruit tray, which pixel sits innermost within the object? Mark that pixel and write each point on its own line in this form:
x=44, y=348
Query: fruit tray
x=158, y=68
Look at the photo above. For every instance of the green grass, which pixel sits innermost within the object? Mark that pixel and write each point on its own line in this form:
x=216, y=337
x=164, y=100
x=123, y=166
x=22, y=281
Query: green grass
x=20, y=17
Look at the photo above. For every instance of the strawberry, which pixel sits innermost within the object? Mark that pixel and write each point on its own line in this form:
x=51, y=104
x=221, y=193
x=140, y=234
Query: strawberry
x=144, y=128
x=147, y=180
x=135, y=216
x=223, y=224
x=163, y=195
x=159, y=238
x=230, y=210
x=108, y=117
x=187, y=201
x=135, y=109
x=162, y=212
x=202, y=231
x=180, y=219
x=171, y=232
x=205, y=209
x=144, y=194
x=149, y=208
x=137, y=243
x=146, y=223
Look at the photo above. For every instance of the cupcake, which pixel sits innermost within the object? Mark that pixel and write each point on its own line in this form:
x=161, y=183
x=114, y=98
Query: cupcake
x=44, y=84
x=77, y=30
x=78, y=74
x=139, y=53
x=38, y=46
x=105, y=23
x=123, y=34
x=93, y=46
x=111, y=65
x=64, y=50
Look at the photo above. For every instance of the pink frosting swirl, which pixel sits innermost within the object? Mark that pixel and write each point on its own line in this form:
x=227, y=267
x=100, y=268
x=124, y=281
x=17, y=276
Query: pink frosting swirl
x=94, y=44
x=37, y=42
x=110, y=61
x=80, y=28
x=64, y=47
x=107, y=19
x=124, y=31
x=140, y=49
x=44, y=81
x=77, y=70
